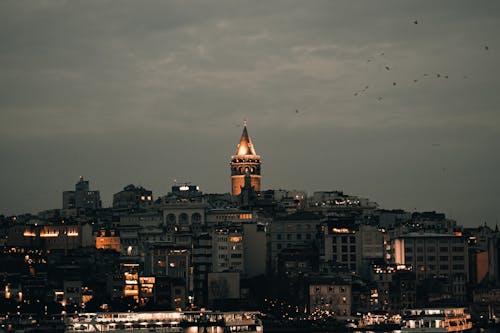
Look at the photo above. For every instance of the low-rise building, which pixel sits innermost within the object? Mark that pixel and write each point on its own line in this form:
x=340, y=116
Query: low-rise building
x=329, y=298
x=227, y=249
x=50, y=236
x=291, y=231
x=108, y=239
x=435, y=256
x=132, y=198
x=82, y=198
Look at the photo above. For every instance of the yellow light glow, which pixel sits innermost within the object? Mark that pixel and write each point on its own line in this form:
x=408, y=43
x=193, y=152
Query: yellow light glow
x=130, y=265
x=148, y=280
x=242, y=148
x=340, y=230
x=235, y=239
x=131, y=293
x=28, y=233
x=49, y=234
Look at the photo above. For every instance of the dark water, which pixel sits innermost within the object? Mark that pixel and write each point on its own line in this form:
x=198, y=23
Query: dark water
x=474, y=330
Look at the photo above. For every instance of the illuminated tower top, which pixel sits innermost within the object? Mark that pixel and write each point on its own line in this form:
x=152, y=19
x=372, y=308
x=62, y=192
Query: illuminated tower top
x=246, y=162
x=245, y=147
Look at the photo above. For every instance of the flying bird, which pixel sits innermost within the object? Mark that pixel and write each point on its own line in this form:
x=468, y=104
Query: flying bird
x=382, y=53
x=296, y=111
x=446, y=76
x=438, y=75
x=394, y=83
x=387, y=67
x=486, y=47
x=415, y=22
x=415, y=80
x=426, y=74
x=379, y=98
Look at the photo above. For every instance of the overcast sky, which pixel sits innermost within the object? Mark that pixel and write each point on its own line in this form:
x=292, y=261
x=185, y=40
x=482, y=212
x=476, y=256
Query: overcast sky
x=146, y=92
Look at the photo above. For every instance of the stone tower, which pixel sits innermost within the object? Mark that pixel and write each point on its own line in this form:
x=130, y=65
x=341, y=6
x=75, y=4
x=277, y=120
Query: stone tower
x=245, y=163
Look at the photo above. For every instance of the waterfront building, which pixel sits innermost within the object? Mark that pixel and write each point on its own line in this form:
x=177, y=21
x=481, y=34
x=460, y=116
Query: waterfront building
x=170, y=292
x=395, y=286
x=403, y=292
x=329, y=298
x=437, y=256
x=72, y=293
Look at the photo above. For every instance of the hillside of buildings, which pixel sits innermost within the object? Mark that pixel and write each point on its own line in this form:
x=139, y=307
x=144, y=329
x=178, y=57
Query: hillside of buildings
x=287, y=253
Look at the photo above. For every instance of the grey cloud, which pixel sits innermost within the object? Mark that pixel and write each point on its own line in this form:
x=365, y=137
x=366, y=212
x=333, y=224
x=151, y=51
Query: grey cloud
x=142, y=92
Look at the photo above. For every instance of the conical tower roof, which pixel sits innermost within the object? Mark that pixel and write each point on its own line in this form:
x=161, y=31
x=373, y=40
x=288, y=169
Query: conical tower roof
x=245, y=147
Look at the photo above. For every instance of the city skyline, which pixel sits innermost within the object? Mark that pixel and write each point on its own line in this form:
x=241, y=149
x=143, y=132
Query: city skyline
x=389, y=101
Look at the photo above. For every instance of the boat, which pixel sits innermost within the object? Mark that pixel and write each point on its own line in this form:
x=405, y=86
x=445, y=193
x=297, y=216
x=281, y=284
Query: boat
x=435, y=320
x=379, y=322
x=166, y=321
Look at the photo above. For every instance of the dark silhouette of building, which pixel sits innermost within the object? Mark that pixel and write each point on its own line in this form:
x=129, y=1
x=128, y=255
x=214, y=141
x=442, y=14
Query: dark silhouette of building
x=132, y=198
x=81, y=198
